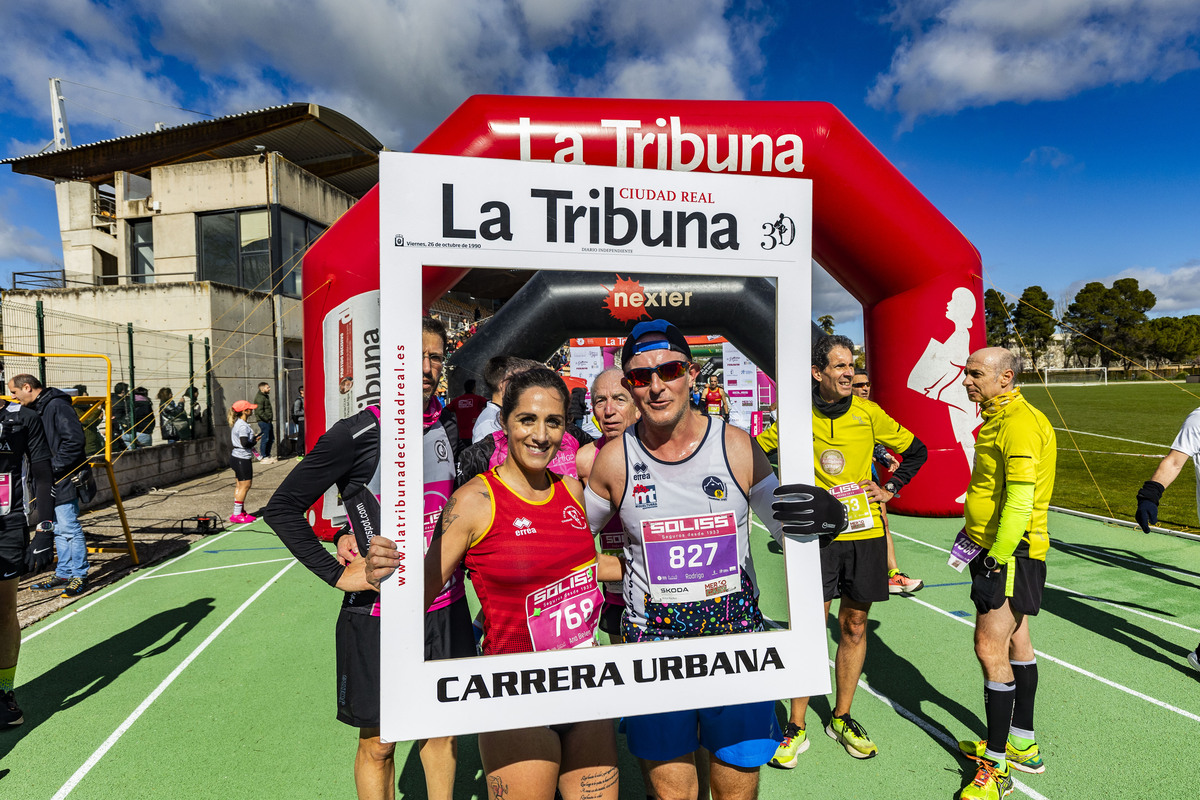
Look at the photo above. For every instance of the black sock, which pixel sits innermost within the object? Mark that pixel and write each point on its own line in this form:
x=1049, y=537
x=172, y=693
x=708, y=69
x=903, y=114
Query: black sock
x=998, y=701
x=1025, y=675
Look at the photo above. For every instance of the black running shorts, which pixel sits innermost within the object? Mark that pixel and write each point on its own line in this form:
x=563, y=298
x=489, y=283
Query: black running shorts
x=449, y=633
x=856, y=569
x=357, y=646
x=14, y=538
x=243, y=468
x=1028, y=583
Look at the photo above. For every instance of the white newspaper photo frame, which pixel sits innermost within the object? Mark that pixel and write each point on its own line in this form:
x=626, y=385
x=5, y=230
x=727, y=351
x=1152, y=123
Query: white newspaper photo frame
x=472, y=212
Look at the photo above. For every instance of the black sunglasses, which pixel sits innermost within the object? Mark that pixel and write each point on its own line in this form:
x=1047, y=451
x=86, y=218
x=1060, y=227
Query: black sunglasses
x=860, y=385
x=670, y=371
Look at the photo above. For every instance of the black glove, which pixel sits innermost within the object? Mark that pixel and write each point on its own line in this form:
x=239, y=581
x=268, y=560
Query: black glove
x=1148, y=498
x=805, y=510
x=40, y=552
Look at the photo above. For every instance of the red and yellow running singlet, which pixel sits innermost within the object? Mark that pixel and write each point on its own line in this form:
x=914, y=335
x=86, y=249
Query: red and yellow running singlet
x=535, y=571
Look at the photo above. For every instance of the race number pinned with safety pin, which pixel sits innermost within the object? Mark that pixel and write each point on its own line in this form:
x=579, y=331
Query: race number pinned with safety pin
x=565, y=613
x=963, y=551
x=858, y=506
x=692, y=558
x=5, y=492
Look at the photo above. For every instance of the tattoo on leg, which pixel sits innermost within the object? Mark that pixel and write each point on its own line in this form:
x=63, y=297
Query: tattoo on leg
x=497, y=788
x=593, y=786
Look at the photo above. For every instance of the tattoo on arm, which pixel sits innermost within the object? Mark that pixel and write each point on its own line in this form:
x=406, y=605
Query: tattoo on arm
x=595, y=785
x=497, y=788
x=447, y=517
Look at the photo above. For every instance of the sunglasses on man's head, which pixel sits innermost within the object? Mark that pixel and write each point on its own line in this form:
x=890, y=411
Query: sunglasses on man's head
x=860, y=385
x=670, y=371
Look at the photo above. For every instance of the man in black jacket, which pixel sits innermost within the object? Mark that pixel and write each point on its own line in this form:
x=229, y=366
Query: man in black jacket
x=64, y=434
x=21, y=439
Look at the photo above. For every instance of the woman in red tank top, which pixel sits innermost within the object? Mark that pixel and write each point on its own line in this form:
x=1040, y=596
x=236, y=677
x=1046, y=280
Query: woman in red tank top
x=522, y=532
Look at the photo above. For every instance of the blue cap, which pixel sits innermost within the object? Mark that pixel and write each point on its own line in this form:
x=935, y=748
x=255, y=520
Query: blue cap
x=674, y=340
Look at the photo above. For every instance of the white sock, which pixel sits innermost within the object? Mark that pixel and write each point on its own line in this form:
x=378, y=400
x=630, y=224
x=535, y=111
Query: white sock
x=238, y=509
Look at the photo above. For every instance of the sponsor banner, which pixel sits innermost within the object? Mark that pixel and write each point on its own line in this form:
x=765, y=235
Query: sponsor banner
x=740, y=377
x=489, y=213
x=350, y=334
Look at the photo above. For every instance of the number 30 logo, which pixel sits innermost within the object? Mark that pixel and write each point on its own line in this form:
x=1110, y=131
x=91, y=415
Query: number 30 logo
x=780, y=233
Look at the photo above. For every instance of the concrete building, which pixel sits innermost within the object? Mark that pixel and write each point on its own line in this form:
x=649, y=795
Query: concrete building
x=200, y=229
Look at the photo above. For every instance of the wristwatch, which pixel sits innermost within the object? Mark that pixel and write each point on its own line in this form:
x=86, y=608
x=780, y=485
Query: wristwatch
x=892, y=487
x=990, y=563
x=45, y=525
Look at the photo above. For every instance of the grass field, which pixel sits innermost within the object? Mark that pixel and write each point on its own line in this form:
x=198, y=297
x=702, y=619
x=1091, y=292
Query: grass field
x=1110, y=439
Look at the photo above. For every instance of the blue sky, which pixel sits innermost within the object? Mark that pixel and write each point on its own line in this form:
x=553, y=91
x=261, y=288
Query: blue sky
x=1061, y=136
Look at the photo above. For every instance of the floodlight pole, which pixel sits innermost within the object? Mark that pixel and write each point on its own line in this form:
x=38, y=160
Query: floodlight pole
x=58, y=111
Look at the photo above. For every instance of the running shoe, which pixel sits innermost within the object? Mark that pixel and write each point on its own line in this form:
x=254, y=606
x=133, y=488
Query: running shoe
x=852, y=736
x=53, y=585
x=899, y=583
x=242, y=519
x=795, y=741
x=75, y=587
x=990, y=783
x=10, y=712
x=1194, y=658
x=1027, y=760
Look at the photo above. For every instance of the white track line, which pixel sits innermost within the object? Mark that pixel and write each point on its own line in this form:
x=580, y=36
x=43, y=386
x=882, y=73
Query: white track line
x=82, y=772
x=1048, y=657
x=924, y=725
x=124, y=585
x=210, y=569
x=1079, y=594
x=1117, y=438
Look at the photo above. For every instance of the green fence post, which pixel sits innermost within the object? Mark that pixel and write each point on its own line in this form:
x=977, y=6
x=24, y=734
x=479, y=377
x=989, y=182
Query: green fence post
x=40, y=314
x=191, y=390
x=129, y=394
x=208, y=383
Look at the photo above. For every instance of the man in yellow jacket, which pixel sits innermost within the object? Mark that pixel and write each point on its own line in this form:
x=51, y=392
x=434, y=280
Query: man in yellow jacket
x=1004, y=542
x=854, y=564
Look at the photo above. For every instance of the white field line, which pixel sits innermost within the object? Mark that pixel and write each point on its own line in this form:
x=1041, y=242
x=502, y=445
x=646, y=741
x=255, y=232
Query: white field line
x=210, y=569
x=1115, y=438
x=924, y=725
x=1110, y=452
x=63, y=617
x=82, y=772
x=1059, y=661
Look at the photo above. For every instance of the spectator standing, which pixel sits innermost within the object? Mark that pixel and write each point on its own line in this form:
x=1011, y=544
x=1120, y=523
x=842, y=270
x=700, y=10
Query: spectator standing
x=298, y=421
x=265, y=416
x=467, y=407
x=23, y=440
x=64, y=435
x=170, y=413
x=89, y=418
x=241, y=460
x=142, y=424
x=119, y=400
x=495, y=374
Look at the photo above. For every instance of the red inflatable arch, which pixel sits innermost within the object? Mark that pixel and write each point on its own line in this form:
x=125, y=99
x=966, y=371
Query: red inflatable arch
x=915, y=274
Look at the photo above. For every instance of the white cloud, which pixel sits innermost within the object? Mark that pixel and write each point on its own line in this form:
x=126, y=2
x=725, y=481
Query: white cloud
x=971, y=53
x=397, y=66
x=1177, y=290
x=21, y=244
